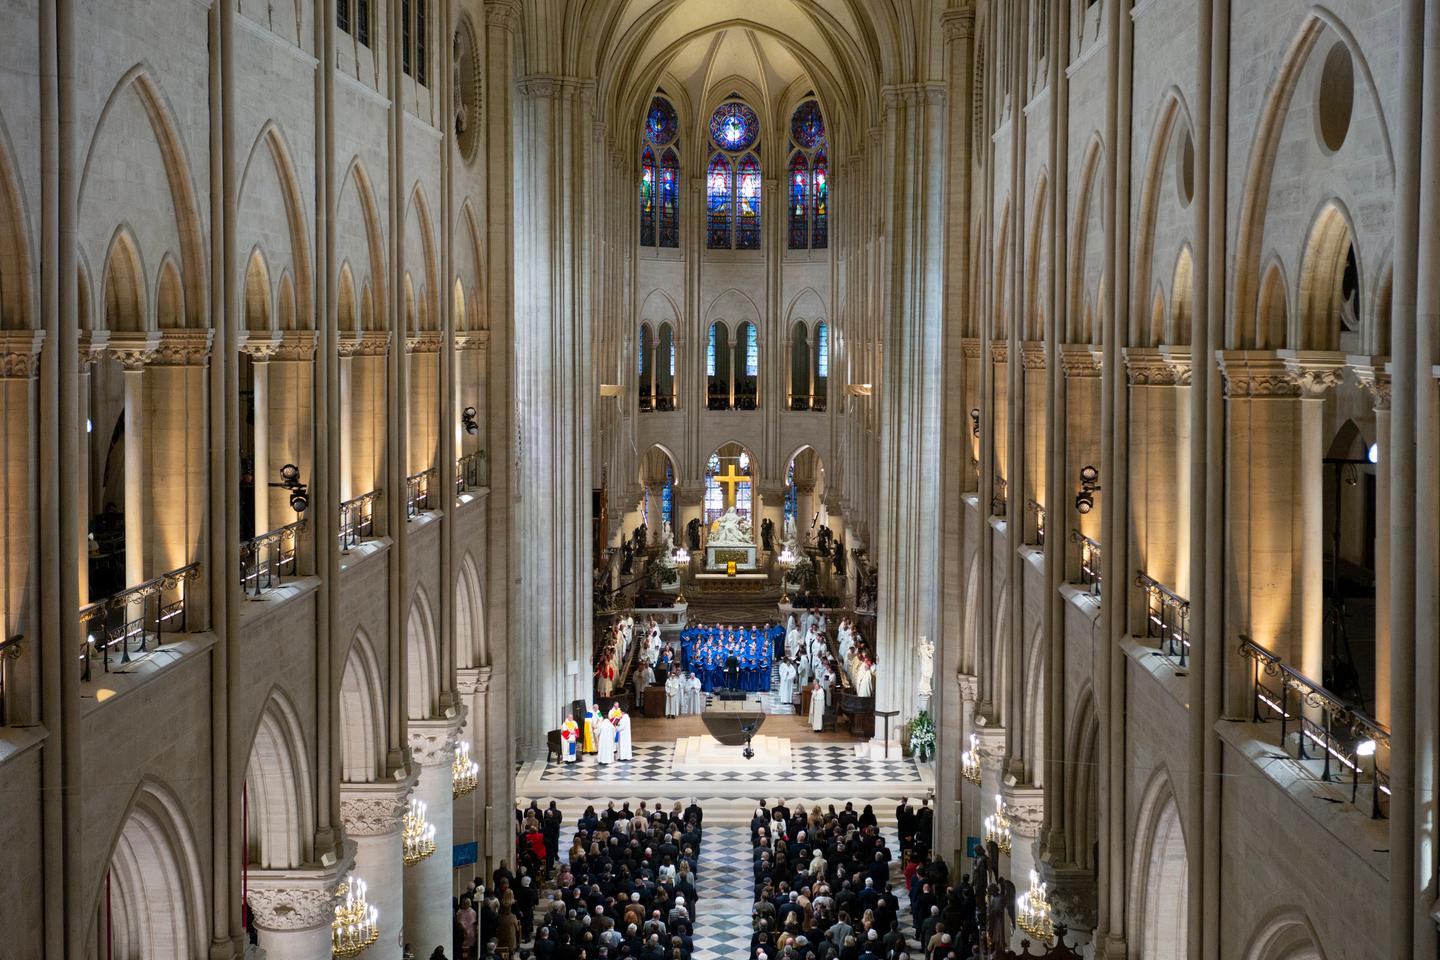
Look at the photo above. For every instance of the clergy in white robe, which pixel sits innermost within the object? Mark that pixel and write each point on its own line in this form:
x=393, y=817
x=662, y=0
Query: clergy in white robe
x=696, y=694
x=672, y=696
x=817, y=707
x=865, y=679
x=787, y=682
x=622, y=735
x=807, y=620
x=845, y=644
x=647, y=676
x=605, y=735
x=792, y=639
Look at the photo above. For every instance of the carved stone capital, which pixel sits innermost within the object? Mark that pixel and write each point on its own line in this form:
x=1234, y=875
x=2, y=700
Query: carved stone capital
x=133, y=350
x=1373, y=375
x=183, y=348
x=970, y=348
x=959, y=24
x=999, y=351
x=1032, y=355
x=370, y=343
x=1081, y=360
x=472, y=339
x=1025, y=806
x=969, y=685
x=504, y=14
x=1158, y=367
x=1314, y=371
x=92, y=346
x=259, y=345
x=432, y=742
x=375, y=809
x=1280, y=373
x=303, y=899
x=425, y=342
x=20, y=354
x=992, y=743
x=472, y=680
x=296, y=345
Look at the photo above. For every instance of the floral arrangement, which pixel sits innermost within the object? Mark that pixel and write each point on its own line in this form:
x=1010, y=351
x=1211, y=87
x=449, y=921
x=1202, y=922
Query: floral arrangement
x=662, y=571
x=922, y=736
x=802, y=571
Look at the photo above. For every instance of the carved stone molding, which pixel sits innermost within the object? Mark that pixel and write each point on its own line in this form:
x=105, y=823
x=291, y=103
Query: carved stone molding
x=371, y=343
x=183, y=348
x=992, y=743
x=303, y=899
x=423, y=343
x=1080, y=360
x=504, y=14
x=432, y=742
x=1280, y=373
x=970, y=348
x=375, y=809
x=999, y=350
x=472, y=339
x=1072, y=893
x=969, y=685
x=472, y=680
x=296, y=345
x=1373, y=374
x=20, y=354
x=259, y=345
x=959, y=24
x=1162, y=367
x=1032, y=355
x=133, y=350
x=1025, y=806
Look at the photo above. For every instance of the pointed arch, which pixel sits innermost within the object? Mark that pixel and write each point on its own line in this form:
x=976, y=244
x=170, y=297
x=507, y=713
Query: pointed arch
x=472, y=645
x=421, y=207
x=157, y=893
x=346, y=312
x=1285, y=934
x=1034, y=705
x=169, y=297
x=258, y=313
x=1088, y=197
x=174, y=156
x=1082, y=813
x=649, y=178
x=1038, y=264
x=1172, y=126
x=373, y=284
x=17, y=309
x=1158, y=912
x=272, y=140
x=362, y=714
x=280, y=827
x=124, y=291
x=1180, y=330
x=719, y=206
x=1330, y=242
x=422, y=660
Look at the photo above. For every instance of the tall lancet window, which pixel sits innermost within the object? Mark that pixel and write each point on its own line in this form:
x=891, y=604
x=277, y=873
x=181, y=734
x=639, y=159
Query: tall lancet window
x=809, y=179
x=660, y=177
x=733, y=182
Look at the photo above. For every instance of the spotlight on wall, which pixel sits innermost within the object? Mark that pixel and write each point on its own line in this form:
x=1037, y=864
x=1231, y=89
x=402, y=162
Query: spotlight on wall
x=975, y=422
x=299, y=492
x=467, y=420
x=1089, y=486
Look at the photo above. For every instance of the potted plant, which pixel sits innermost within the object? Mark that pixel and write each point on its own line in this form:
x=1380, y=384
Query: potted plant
x=922, y=737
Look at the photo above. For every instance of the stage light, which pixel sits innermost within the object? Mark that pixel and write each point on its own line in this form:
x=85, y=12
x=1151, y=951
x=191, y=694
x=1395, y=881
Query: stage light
x=468, y=421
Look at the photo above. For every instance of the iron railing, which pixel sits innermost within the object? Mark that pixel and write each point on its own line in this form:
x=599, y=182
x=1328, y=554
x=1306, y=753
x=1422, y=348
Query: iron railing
x=1035, y=512
x=123, y=623
x=417, y=492
x=266, y=558
x=357, y=519
x=1342, y=734
x=1000, y=498
x=9, y=652
x=1089, y=561
x=1167, y=619
x=467, y=473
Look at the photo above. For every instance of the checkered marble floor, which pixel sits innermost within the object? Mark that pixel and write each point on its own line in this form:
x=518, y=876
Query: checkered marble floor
x=722, y=929
x=813, y=763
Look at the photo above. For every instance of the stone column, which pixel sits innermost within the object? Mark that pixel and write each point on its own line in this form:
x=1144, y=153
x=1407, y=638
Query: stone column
x=19, y=517
x=1159, y=465
x=1373, y=373
x=92, y=347
x=261, y=348
x=1081, y=366
x=289, y=419
x=1275, y=500
x=471, y=813
x=293, y=909
x=428, y=883
x=133, y=351
x=176, y=450
x=346, y=439
x=372, y=812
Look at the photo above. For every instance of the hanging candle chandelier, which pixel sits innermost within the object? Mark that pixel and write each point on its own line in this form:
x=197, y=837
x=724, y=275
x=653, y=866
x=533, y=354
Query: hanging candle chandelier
x=417, y=837
x=970, y=761
x=464, y=772
x=997, y=826
x=357, y=923
x=1032, y=911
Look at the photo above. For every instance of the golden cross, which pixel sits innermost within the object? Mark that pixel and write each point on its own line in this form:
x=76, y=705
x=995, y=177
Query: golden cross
x=732, y=481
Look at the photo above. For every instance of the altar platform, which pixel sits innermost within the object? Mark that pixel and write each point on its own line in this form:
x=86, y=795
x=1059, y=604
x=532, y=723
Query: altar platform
x=718, y=557
x=705, y=754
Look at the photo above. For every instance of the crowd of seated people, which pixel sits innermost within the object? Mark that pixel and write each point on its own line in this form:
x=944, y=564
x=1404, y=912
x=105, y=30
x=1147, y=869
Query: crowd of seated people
x=823, y=889
x=627, y=888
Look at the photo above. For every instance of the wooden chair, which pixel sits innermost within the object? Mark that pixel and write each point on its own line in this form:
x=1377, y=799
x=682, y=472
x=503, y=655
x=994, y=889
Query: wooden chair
x=553, y=746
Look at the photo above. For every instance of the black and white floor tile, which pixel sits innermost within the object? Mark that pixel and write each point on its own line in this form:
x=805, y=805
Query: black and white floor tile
x=813, y=763
x=722, y=928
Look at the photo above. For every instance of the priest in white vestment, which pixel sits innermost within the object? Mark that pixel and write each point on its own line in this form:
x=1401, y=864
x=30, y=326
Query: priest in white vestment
x=696, y=691
x=622, y=733
x=605, y=737
x=647, y=676
x=802, y=671
x=787, y=682
x=792, y=639
x=672, y=696
x=864, y=678
x=817, y=707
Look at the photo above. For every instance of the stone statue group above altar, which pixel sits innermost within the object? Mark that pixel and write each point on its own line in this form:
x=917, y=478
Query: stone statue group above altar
x=731, y=530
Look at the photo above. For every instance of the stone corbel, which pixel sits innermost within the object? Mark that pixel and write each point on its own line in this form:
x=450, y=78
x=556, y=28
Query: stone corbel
x=473, y=680
x=133, y=350
x=992, y=744
x=1025, y=806
x=1373, y=374
x=432, y=742
x=301, y=899
x=183, y=348
x=20, y=354
x=1080, y=361
x=375, y=809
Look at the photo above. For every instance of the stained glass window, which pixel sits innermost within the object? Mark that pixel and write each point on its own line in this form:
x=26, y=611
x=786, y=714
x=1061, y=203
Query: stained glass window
x=661, y=122
x=672, y=355
x=799, y=202
x=822, y=350
x=734, y=126
x=747, y=230
x=647, y=198
x=792, y=496
x=820, y=234
x=807, y=126
x=714, y=499
x=710, y=354
x=752, y=351
x=667, y=496
x=718, y=182
x=742, y=498
x=670, y=200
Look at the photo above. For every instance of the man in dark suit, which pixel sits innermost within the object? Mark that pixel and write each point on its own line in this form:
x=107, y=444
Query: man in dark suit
x=905, y=822
x=732, y=672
